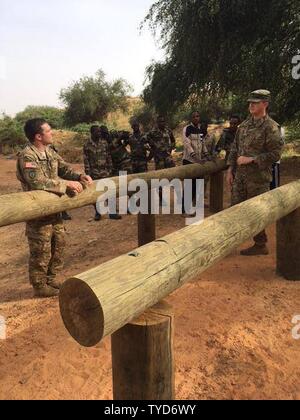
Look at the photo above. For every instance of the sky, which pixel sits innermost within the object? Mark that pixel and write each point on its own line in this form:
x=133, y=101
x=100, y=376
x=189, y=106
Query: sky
x=45, y=45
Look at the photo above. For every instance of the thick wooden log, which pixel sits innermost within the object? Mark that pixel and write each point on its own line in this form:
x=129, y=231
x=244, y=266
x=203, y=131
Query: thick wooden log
x=143, y=357
x=217, y=192
x=101, y=301
x=22, y=207
x=288, y=246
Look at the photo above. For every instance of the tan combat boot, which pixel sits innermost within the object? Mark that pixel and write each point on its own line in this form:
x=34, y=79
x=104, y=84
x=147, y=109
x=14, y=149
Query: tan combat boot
x=255, y=250
x=45, y=292
x=55, y=284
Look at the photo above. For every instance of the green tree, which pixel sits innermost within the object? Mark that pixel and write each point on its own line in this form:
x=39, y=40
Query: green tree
x=11, y=133
x=223, y=49
x=54, y=116
x=93, y=98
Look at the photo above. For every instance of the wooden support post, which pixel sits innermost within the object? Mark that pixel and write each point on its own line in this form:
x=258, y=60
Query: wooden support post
x=288, y=246
x=217, y=192
x=143, y=357
x=146, y=226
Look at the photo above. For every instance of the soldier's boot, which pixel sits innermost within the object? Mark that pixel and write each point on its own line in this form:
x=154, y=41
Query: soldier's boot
x=115, y=217
x=98, y=217
x=255, y=250
x=55, y=284
x=45, y=292
x=66, y=216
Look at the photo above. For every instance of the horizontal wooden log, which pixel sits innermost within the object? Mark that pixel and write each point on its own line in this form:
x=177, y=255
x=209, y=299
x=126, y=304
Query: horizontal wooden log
x=101, y=301
x=22, y=207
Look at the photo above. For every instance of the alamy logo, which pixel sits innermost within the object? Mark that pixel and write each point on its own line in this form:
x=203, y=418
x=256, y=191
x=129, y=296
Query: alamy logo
x=296, y=67
x=296, y=329
x=2, y=328
x=134, y=197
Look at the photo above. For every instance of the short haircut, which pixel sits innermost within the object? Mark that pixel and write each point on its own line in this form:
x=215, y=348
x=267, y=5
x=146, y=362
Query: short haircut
x=34, y=127
x=94, y=128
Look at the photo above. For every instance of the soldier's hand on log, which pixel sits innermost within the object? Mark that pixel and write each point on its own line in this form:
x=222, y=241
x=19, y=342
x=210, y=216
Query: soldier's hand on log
x=230, y=177
x=75, y=186
x=86, y=179
x=242, y=160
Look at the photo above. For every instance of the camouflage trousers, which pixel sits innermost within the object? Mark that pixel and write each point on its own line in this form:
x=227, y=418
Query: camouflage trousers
x=245, y=188
x=164, y=163
x=139, y=166
x=46, y=239
x=125, y=166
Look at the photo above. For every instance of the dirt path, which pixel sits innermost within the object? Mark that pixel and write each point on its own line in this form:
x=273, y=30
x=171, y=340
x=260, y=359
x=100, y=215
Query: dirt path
x=233, y=325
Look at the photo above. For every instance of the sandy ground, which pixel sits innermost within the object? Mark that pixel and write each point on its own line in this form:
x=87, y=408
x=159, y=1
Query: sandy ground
x=233, y=336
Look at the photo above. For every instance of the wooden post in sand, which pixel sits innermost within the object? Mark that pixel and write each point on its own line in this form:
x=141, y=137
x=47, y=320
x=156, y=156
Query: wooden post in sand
x=288, y=246
x=217, y=192
x=146, y=225
x=143, y=357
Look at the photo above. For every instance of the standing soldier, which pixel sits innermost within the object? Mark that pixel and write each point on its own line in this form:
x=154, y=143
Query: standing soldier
x=40, y=168
x=98, y=161
x=117, y=142
x=139, y=150
x=257, y=146
x=228, y=136
x=162, y=143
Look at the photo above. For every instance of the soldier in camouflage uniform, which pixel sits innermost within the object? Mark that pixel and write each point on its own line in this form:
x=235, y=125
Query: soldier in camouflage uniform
x=40, y=168
x=98, y=161
x=118, y=141
x=140, y=151
x=228, y=136
x=258, y=144
x=162, y=143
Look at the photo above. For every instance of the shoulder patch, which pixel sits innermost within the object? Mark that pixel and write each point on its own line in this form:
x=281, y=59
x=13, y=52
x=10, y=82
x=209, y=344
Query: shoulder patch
x=30, y=165
x=32, y=174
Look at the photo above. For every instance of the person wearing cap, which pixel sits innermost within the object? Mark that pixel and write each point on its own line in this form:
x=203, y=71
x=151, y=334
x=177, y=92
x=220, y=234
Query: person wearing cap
x=257, y=146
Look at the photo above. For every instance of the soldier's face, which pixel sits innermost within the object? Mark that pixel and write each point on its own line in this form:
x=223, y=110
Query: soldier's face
x=46, y=137
x=234, y=124
x=258, y=108
x=161, y=124
x=136, y=128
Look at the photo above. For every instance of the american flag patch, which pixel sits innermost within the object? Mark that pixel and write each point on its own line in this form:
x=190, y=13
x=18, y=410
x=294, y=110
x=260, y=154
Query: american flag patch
x=30, y=165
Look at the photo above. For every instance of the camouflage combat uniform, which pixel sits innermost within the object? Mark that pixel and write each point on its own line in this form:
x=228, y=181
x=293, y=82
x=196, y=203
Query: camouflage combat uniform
x=162, y=144
x=118, y=142
x=210, y=142
x=46, y=236
x=226, y=141
x=139, y=153
x=97, y=159
x=261, y=140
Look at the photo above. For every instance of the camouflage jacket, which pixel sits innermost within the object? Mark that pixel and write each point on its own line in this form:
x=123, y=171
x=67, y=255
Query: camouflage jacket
x=97, y=159
x=139, y=148
x=43, y=171
x=226, y=141
x=261, y=140
x=118, y=141
x=162, y=143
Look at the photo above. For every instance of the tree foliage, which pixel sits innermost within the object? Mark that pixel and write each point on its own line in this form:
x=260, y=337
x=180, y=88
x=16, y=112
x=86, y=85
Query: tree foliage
x=93, y=98
x=54, y=116
x=222, y=49
x=11, y=133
